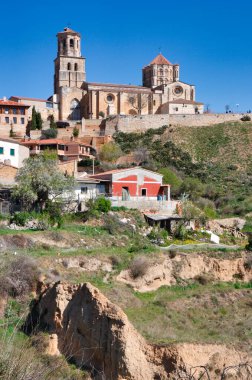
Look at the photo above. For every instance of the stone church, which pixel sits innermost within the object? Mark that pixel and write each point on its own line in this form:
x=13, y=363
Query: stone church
x=162, y=91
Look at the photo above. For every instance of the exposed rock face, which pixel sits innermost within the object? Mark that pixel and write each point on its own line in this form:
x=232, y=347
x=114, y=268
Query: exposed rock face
x=86, y=327
x=188, y=267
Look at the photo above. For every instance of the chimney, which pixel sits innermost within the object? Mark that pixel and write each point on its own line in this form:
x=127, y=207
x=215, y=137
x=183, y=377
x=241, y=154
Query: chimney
x=4, y=98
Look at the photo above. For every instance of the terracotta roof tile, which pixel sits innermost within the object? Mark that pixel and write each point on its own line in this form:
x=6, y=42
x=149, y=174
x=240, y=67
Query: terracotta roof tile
x=160, y=60
x=12, y=103
x=32, y=99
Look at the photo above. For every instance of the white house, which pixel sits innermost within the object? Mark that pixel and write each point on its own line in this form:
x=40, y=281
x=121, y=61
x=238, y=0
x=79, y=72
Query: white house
x=13, y=153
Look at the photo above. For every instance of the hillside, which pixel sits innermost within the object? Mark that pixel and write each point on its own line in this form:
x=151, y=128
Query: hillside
x=219, y=156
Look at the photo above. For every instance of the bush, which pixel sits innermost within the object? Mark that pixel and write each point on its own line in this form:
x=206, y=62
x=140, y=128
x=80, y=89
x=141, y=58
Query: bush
x=101, y=114
x=102, y=204
x=20, y=218
x=20, y=277
x=138, y=267
x=50, y=133
x=180, y=232
x=110, y=152
x=76, y=132
x=246, y=118
x=95, y=207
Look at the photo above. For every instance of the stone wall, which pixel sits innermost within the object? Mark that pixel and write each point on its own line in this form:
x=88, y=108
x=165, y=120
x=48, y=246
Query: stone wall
x=203, y=120
x=135, y=123
x=7, y=174
x=144, y=122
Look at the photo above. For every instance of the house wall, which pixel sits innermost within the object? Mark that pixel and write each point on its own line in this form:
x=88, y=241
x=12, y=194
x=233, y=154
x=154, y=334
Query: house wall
x=90, y=191
x=20, y=153
x=136, y=180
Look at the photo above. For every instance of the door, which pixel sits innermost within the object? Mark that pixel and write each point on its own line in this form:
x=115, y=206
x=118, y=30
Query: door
x=125, y=194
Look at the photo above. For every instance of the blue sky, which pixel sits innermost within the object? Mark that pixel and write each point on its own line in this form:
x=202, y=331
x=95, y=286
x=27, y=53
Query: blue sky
x=211, y=40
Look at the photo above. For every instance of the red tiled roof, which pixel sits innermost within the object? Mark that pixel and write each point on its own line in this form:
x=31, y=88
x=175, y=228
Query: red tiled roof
x=12, y=103
x=48, y=141
x=160, y=60
x=32, y=99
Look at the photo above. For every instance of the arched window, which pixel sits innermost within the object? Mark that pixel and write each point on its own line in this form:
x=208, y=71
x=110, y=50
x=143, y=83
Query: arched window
x=69, y=67
x=161, y=72
x=76, y=67
x=75, y=110
x=71, y=43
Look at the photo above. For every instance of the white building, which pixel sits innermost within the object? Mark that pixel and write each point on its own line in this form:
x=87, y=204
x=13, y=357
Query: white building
x=13, y=153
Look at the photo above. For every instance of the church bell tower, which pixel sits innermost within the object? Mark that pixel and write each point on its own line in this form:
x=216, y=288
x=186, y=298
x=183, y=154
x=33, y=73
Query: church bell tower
x=69, y=64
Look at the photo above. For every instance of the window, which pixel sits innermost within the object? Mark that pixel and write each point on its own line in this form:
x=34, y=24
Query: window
x=22, y=120
x=154, y=102
x=49, y=105
x=22, y=111
x=84, y=190
x=176, y=109
x=110, y=98
x=1, y=150
x=69, y=66
x=7, y=120
x=144, y=192
x=75, y=67
x=14, y=120
x=71, y=42
x=6, y=110
x=14, y=111
x=12, y=152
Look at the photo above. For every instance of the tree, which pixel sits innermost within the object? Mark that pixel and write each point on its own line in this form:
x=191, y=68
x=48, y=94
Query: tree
x=110, y=152
x=40, y=181
x=53, y=125
x=76, y=132
x=34, y=119
x=39, y=121
x=138, y=102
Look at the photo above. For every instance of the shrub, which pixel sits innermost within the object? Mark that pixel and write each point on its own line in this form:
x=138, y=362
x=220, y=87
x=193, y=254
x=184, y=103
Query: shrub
x=180, y=231
x=101, y=114
x=138, y=267
x=50, y=133
x=76, y=132
x=20, y=218
x=20, y=277
x=102, y=204
x=246, y=118
x=110, y=152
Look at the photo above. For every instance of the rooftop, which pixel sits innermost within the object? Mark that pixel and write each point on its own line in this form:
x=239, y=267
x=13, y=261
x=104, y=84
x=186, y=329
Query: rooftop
x=32, y=99
x=160, y=60
x=12, y=103
x=123, y=170
x=184, y=101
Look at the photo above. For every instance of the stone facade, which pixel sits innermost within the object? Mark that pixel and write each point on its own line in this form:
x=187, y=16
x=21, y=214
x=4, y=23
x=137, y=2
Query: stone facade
x=79, y=99
x=44, y=106
x=13, y=113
